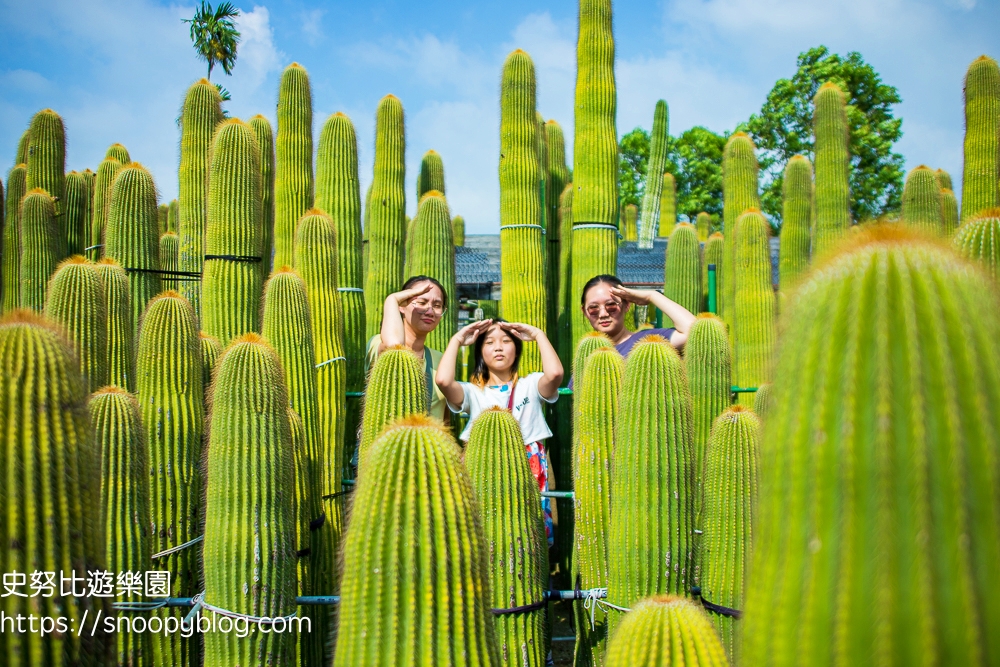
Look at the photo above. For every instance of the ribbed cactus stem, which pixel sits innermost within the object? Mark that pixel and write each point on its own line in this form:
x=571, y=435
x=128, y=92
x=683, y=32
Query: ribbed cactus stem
x=75, y=207
x=172, y=213
x=833, y=165
x=170, y=391
x=762, y=400
x=42, y=247
x=201, y=113
x=558, y=178
x=629, y=224
x=47, y=155
x=232, y=280
x=682, y=268
x=949, y=212
x=668, y=205
x=161, y=218
x=522, y=244
x=10, y=259
x=730, y=494
x=715, y=253
x=431, y=174
x=982, y=137
x=595, y=155
x=434, y=256
x=118, y=152
x=121, y=336
x=979, y=239
x=293, y=183
x=264, y=134
x=396, y=388
x=564, y=314
x=943, y=179
x=650, y=544
x=169, y=249
x=76, y=302
x=131, y=236
x=211, y=350
x=386, y=209
x=922, y=200
x=21, y=157
x=458, y=230
x=429, y=602
x=119, y=436
x=666, y=631
x=754, y=311
x=107, y=172
x=870, y=454
x=249, y=508
x=739, y=192
x=796, y=220
x=703, y=223
x=51, y=490
x=516, y=548
x=653, y=223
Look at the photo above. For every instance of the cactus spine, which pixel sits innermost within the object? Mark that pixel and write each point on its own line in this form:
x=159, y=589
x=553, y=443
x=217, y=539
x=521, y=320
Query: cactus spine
x=75, y=206
x=654, y=223
x=211, y=350
x=434, y=256
x=796, y=216
x=232, y=281
x=169, y=386
x=979, y=239
x=522, y=260
x=201, y=113
x=118, y=435
x=629, y=225
x=385, y=225
x=169, y=249
x=107, y=171
x=432, y=527
x=131, y=236
x=41, y=247
x=666, y=631
x=682, y=269
x=47, y=156
x=11, y=248
x=595, y=155
x=264, y=134
x=118, y=307
x=50, y=513
x=516, y=548
x=293, y=184
x=754, y=329
x=703, y=223
x=76, y=302
x=249, y=507
x=981, y=168
x=431, y=175
x=833, y=164
x=845, y=506
x=922, y=200
x=458, y=231
x=730, y=494
x=739, y=188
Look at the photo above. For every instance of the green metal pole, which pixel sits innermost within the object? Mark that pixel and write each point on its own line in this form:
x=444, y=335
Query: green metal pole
x=712, y=289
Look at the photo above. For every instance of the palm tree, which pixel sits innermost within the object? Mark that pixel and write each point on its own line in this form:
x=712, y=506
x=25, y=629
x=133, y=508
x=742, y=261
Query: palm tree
x=215, y=36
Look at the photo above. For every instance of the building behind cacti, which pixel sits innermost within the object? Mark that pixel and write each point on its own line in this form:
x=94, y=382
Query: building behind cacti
x=652, y=223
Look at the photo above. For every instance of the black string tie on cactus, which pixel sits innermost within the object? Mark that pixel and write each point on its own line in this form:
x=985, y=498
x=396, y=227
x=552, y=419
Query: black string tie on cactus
x=174, y=275
x=523, y=609
x=234, y=258
x=318, y=522
x=331, y=496
x=716, y=608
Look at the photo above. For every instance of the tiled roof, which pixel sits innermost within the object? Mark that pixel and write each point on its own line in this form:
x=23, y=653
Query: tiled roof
x=638, y=266
x=473, y=267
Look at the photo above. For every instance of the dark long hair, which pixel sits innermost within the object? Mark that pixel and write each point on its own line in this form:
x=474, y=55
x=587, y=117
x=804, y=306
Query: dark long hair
x=597, y=280
x=480, y=373
x=413, y=280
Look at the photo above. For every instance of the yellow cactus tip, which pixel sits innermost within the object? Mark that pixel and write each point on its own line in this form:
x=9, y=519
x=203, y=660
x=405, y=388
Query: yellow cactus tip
x=432, y=193
x=24, y=166
x=738, y=408
x=595, y=334
x=752, y=209
x=166, y=234
x=430, y=152
x=75, y=259
x=517, y=51
x=108, y=260
x=169, y=294
x=653, y=338
x=551, y=121
x=231, y=121
x=37, y=191
x=259, y=115
x=314, y=211
x=51, y=111
x=390, y=97
x=109, y=389
x=208, y=336
x=685, y=224
x=250, y=338
x=947, y=191
x=717, y=235
x=283, y=269
x=203, y=82
x=419, y=420
x=740, y=134
x=828, y=85
x=922, y=166
x=988, y=213
x=706, y=316
x=296, y=65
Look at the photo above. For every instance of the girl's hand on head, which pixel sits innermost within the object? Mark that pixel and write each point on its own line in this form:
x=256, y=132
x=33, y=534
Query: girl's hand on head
x=639, y=297
x=522, y=331
x=468, y=334
x=404, y=297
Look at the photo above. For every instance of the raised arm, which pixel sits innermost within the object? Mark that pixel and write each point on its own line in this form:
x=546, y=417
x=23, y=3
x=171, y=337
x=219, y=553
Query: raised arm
x=552, y=370
x=445, y=375
x=392, y=332
x=681, y=316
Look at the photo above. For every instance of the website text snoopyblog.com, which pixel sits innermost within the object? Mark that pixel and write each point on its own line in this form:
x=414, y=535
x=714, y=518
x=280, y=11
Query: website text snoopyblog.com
x=207, y=621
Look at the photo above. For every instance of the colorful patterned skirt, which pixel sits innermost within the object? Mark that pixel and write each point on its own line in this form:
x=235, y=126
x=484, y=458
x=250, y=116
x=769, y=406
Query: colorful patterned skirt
x=538, y=462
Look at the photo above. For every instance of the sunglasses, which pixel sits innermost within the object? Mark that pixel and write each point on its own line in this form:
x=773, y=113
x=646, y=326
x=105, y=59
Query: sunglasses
x=611, y=307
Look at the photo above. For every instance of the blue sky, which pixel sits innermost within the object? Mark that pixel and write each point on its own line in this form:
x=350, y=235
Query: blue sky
x=117, y=71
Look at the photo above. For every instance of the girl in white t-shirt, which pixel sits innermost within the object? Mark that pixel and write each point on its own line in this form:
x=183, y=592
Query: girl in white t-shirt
x=494, y=382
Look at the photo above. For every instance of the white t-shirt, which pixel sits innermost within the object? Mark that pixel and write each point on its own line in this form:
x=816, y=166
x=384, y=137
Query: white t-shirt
x=527, y=408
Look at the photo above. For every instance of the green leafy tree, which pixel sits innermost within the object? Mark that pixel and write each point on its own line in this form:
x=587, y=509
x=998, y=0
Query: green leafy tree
x=695, y=160
x=633, y=156
x=784, y=128
x=215, y=35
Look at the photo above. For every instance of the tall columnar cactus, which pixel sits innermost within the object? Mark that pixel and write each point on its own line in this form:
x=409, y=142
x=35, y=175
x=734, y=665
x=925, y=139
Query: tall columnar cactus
x=630, y=223
x=979, y=239
x=653, y=224
x=558, y=178
x=118, y=435
x=264, y=134
x=107, y=172
x=169, y=386
x=169, y=249
x=899, y=512
x=118, y=152
x=76, y=302
x=708, y=362
x=597, y=389
x=232, y=280
x=516, y=548
x=682, y=268
x=564, y=315
x=545, y=192
x=384, y=219
x=668, y=205
x=762, y=400
x=249, y=505
x=161, y=218
x=396, y=388
x=981, y=168
x=47, y=155
x=293, y=184
x=458, y=230
x=132, y=237
x=595, y=155
x=172, y=213
x=121, y=336
x=434, y=256
x=730, y=495
x=75, y=206
x=739, y=192
x=316, y=261
x=338, y=193
x=703, y=223
x=754, y=312
x=522, y=244
x=922, y=200
x=51, y=492
x=650, y=543
x=42, y=247
x=90, y=178
x=431, y=174
x=429, y=604
x=211, y=350
x=666, y=631
x=715, y=252
x=10, y=259
x=949, y=211
x=943, y=179
x=833, y=165
x=796, y=216
x=201, y=113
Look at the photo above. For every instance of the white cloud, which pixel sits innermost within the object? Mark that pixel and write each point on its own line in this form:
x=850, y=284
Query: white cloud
x=257, y=56
x=312, y=26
